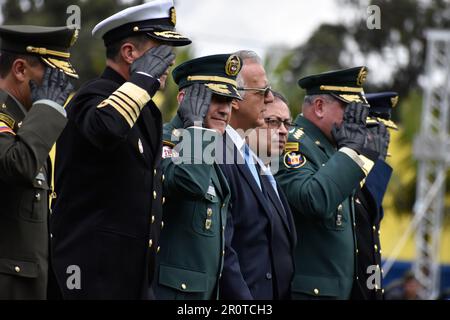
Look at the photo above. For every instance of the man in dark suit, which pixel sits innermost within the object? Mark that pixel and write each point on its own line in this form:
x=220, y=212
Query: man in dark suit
x=259, y=233
x=31, y=119
x=107, y=215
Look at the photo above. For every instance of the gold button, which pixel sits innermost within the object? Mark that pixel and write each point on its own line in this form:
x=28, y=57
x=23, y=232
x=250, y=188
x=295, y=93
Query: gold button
x=357, y=251
x=136, y=29
x=317, y=142
x=376, y=287
x=223, y=205
x=354, y=224
x=380, y=251
x=223, y=253
x=162, y=224
x=153, y=219
x=209, y=212
x=316, y=291
x=382, y=291
x=154, y=194
x=163, y=200
x=376, y=248
x=154, y=172
x=150, y=243
x=374, y=228
x=157, y=249
x=183, y=286
x=379, y=232
x=17, y=269
x=163, y=178
x=39, y=182
x=340, y=207
x=357, y=278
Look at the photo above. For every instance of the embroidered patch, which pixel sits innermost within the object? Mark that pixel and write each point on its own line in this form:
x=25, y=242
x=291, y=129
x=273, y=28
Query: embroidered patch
x=168, y=152
x=294, y=160
x=291, y=146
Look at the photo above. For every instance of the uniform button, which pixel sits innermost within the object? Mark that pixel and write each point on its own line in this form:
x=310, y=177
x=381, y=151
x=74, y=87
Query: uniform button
x=153, y=218
x=163, y=200
x=220, y=275
x=183, y=286
x=209, y=212
x=382, y=291
x=379, y=232
x=376, y=248
x=39, y=182
x=380, y=251
x=162, y=224
x=376, y=287
x=268, y=276
x=357, y=278
x=17, y=269
x=340, y=207
x=154, y=194
x=154, y=172
x=37, y=196
x=354, y=224
x=150, y=243
x=163, y=178
x=374, y=228
x=223, y=205
x=223, y=253
x=357, y=251
x=316, y=291
x=157, y=249
x=317, y=142
x=51, y=235
x=323, y=164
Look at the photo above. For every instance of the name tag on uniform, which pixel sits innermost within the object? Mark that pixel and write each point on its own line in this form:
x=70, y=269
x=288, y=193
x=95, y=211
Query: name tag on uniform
x=211, y=191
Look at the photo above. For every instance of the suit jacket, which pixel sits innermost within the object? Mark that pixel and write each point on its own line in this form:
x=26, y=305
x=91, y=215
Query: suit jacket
x=260, y=236
x=107, y=214
x=25, y=142
x=319, y=183
x=369, y=212
x=195, y=212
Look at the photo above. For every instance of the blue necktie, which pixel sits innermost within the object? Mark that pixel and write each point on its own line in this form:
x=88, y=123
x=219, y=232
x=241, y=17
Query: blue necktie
x=251, y=165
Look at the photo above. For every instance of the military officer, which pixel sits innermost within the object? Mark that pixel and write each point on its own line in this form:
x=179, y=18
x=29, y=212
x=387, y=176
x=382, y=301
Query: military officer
x=197, y=193
x=107, y=214
x=34, y=84
x=368, y=199
x=323, y=165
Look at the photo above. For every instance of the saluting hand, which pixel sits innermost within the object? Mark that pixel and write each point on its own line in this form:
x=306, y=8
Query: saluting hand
x=195, y=105
x=154, y=62
x=378, y=140
x=55, y=86
x=352, y=132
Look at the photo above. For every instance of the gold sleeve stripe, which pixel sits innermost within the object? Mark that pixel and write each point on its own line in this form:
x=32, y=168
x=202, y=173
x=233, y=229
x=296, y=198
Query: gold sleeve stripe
x=125, y=107
x=120, y=110
x=140, y=96
x=129, y=101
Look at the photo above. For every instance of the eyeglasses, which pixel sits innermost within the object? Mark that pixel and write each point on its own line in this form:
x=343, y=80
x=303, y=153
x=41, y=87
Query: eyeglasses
x=262, y=91
x=275, y=123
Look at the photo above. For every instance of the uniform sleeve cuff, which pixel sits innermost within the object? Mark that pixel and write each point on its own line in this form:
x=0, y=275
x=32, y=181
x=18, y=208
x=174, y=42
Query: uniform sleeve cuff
x=146, y=82
x=52, y=104
x=363, y=162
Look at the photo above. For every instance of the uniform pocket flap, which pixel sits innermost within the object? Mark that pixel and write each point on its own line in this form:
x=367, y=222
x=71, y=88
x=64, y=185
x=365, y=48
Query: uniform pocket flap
x=182, y=279
x=19, y=268
x=316, y=286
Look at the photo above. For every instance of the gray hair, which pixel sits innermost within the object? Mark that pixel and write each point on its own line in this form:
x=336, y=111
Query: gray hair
x=246, y=55
x=309, y=100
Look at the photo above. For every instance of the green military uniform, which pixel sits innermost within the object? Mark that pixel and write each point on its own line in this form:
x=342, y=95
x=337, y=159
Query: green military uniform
x=26, y=138
x=319, y=182
x=196, y=193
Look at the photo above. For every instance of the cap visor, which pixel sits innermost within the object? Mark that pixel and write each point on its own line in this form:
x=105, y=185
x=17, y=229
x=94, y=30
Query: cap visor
x=170, y=37
x=224, y=89
x=63, y=65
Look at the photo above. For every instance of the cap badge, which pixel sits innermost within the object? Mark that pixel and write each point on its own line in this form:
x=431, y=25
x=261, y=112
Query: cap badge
x=361, y=76
x=233, y=65
x=173, y=16
x=394, y=101
x=74, y=37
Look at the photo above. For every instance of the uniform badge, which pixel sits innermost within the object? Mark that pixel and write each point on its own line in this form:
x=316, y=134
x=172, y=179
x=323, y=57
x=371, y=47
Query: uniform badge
x=294, y=160
x=291, y=146
x=168, y=152
x=361, y=76
x=233, y=65
x=298, y=134
x=140, y=146
x=173, y=16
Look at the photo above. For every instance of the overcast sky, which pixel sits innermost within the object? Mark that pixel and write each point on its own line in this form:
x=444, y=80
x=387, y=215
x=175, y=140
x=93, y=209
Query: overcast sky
x=220, y=26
